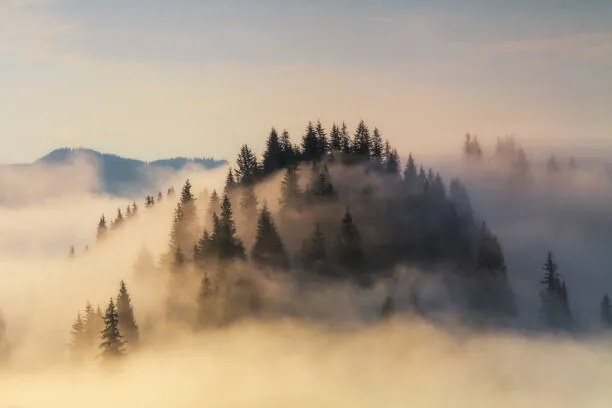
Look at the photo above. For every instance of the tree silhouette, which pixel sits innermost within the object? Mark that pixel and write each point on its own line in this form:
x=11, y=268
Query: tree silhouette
x=125, y=313
x=268, y=249
x=247, y=167
x=112, y=341
x=273, y=158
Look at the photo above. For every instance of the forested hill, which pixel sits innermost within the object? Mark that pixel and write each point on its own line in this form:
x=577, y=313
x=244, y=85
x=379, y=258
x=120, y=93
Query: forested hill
x=124, y=176
x=335, y=209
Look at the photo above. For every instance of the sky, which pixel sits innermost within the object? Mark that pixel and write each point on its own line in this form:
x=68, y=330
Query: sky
x=159, y=78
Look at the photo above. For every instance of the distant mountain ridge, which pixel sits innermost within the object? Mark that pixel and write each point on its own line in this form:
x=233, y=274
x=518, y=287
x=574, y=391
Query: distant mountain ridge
x=126, y=176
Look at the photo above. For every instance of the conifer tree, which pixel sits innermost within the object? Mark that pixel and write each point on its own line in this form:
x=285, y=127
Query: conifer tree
x=411, y=175
x=314, y=249
x=230, y=183
x=387, y=309
x=606, y=313
x=335, y=143
x=273, y=156
x=214, y=207
x=391, y=160
x=94, y=323
x=79, y=343
x=268, y=249
x=291, y=193
x=112, y=341
x=134, y=208
x=555, y=302
x=289, y=157
x=118, y=219
x=460, y=199
x=185, y=224
x=247, y=167
x=349, y=251
x=361, y=140
x=223, y=244
x=345, y=140
x=322, y=142
x=376, y=148
x=310, y=144
x=102, y=228
x=125, y=313
x=321, y=186
x=144, y=267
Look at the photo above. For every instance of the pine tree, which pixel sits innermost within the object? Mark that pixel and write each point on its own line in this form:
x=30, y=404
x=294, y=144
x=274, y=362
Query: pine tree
x=314, y=249
x=247, y=169
x=310, y=144
x=134, y=208
x=391, y=160
x=214, y=207
x=387, y=309
x=361, y=140
x=555, y=301
x=94, y=323
x=79, y=343
x=125, y=313
x=376, y=148
x=411, y=175
x=321, y=186
x=102, y=228
x=349, y=251
x=118, y=219
x=606, y=313
x=224, y=244
x=230, y=183
x=289, y=157
x=460, y=199
x=291, y=193
x=345, y=140
x=185, y=224
x=273, y=156
x=112, y=341
x=268, y=249
x=335, y=144
x=322, y=142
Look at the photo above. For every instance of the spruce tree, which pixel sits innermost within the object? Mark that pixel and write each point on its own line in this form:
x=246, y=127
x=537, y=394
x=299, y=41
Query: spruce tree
x=112, y=341
x=361, y=140
x=391, y=161
x=376, y=148
x=102, y=228
x=185, y=225
x=79, y=343
x=349, y=250
x=118, y=219
x=606, y=313
x=555, y=301
x=291, y=193
x=224, y=244
x=273, y=156
x=322, y=142
x=94, y=323
x=125, y=313
x=289, y=156
x=214, y=207
x=345, y=140
x=268, y=249
x=310, y=144
x=411, y=175
x=314, y=249
x=230, y=183
x=247, y=167
x=321, y=186
x=335, y=143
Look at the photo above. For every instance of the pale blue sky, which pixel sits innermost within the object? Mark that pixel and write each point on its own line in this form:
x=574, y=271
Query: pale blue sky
x=162, y=78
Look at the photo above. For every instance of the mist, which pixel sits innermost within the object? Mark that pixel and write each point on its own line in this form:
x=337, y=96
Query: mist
x=335, y=352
